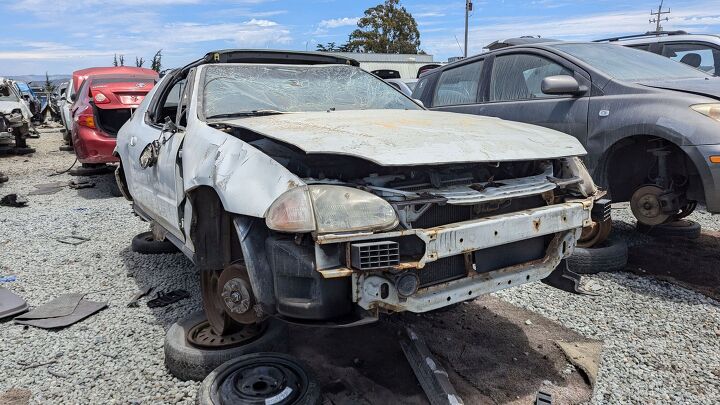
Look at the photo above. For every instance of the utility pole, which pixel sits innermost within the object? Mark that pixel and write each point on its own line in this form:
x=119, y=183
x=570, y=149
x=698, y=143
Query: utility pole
x=468, y=9
x=657, y=17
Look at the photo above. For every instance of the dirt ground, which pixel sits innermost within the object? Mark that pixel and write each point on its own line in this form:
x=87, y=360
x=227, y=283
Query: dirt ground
x=494, y=352
x=693, y=264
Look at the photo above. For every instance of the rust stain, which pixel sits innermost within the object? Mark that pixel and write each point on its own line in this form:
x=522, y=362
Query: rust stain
x=536, y=225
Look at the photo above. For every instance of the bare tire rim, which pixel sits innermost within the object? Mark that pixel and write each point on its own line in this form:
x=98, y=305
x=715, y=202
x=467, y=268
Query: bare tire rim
x=236, y=294
x=261, y=381
x=203, y=336
x=595, y=234
x=212, y=304
x=646, y=207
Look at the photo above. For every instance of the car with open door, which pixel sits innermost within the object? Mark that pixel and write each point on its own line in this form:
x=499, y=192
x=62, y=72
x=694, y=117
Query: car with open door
x=651, y=125
x=102, y=104
x=307, y=189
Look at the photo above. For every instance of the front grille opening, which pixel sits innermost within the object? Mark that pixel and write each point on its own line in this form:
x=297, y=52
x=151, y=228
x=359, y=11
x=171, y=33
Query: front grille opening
x=375, y=255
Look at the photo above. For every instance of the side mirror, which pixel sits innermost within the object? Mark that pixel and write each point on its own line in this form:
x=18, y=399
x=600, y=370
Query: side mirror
x=561, y=84
x=419, y=102
x=149, y=155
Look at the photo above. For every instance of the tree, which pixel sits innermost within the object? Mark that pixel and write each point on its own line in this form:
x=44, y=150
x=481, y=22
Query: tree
x=122, y=60
x=333, y=47
x=139, y=62
x=386, y=28
x=115, y=60
x=156, y=63
x=49, y=86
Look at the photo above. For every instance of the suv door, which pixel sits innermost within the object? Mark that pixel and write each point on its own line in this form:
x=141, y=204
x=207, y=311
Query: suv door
x=696, y=54
x=514, y=93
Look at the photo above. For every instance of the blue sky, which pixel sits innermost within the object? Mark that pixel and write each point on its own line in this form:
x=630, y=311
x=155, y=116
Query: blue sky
x=64, y=35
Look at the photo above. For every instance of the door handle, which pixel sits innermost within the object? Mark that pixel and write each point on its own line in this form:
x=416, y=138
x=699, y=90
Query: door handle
x=133, y=141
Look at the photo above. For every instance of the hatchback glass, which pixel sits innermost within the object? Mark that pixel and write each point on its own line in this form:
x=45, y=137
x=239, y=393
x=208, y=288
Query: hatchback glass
x=242, y=89
x=629, y=64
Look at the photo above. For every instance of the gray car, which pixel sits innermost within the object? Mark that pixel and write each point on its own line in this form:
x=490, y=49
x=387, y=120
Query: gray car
x=650, y=125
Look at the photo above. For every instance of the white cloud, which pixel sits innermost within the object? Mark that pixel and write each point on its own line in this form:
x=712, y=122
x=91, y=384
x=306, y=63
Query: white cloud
x=338, y=22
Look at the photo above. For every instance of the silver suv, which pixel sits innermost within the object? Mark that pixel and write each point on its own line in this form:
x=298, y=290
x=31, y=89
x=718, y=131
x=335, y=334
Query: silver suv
x=699, y=51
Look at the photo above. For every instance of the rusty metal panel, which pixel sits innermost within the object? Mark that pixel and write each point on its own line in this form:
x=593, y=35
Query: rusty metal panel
x=413, y=137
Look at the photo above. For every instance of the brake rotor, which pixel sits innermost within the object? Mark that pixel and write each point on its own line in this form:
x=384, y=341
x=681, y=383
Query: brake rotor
x=645, y=205
x=213, y=304
x=204, y=336
x=595, y=234
x=236, y=294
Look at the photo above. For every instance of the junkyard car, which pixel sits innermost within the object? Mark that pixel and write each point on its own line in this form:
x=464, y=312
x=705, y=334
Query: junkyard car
x=14, y=120
x=306, y=188
x=102, y=105
x=650, y=124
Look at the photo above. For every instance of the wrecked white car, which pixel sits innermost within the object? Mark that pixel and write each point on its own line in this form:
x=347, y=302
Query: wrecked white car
x=307, y=189
x=15, y=119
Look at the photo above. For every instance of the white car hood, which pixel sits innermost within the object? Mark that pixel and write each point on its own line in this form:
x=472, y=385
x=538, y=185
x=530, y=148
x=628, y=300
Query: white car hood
x=413, y=137
x=6, y=107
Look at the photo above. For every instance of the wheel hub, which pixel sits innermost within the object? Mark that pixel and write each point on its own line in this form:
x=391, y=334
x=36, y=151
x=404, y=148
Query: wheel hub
x=646, y=206
x=228, y=300
x=595, y=234
x=236, y=295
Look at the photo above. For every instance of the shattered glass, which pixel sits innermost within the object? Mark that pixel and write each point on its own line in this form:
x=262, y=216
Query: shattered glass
x=236, y=89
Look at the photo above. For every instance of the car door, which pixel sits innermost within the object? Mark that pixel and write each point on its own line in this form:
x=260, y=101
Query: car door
x=458, y=89
x=696, y=54
x=514, y=92
x=160, y=190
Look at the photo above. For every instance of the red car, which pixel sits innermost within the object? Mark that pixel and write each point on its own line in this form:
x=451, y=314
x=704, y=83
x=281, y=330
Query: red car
x=103, y=102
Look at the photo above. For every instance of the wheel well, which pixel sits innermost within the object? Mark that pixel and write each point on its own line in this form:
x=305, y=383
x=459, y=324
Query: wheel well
x=629, y=164
x=211, y=230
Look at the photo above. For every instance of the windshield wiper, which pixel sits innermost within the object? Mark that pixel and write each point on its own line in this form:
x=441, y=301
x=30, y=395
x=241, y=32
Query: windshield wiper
x=253, y=113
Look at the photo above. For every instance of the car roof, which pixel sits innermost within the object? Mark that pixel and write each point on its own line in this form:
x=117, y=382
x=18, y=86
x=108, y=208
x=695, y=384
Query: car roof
x=662, y=36
x=268, y=56
x=505, y=43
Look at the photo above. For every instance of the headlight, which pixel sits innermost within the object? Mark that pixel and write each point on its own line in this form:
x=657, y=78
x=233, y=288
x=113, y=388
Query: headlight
x=711, y=110
x=330, y=209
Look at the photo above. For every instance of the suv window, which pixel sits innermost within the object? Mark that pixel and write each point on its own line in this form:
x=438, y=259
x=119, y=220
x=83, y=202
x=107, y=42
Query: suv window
x=458, y=85
x=518, y=76
x=696, y=55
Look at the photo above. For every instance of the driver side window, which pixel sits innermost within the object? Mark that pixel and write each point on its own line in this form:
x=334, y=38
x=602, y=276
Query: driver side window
x=171, y=103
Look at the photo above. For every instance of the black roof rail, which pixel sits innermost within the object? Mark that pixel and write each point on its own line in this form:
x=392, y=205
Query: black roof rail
x=647, y=34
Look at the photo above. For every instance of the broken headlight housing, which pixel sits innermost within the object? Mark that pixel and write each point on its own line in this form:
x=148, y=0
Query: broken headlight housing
x=575, y=166
x=330, y=209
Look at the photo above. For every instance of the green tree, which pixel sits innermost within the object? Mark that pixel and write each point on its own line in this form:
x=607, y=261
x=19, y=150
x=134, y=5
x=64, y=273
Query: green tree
x=122, y=60
x=386, y=28
x=156, y=63
x=115, y=60
x=139, y=62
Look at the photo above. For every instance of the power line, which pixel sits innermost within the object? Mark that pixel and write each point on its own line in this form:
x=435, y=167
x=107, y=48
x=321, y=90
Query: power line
x=657, y=17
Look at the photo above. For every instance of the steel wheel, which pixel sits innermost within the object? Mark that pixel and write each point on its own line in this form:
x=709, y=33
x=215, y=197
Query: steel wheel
x=646, y=207
x=595, y=234
x=228, y=300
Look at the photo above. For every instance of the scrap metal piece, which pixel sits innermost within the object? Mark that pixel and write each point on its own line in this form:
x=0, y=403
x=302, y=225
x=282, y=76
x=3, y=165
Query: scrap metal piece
x=84, y=309
x=80, y=184
x=564, y=279
x=72, y=240
x=432, y=377
x=11, y=303
x=133, y=303
x=63, y=305
x=543, y=398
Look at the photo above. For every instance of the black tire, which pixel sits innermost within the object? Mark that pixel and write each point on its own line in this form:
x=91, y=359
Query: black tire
x=115, y=189
x=66, y=148
x=91, y=170
x=680, y=229
x=188, y=362
x=303, y=388
x=610, y=255
x=146, y=244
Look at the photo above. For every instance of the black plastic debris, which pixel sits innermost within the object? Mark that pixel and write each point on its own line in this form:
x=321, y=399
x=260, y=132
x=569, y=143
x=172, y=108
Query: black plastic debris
x=13, y=200
x=11, y=304
x=163, y=299
x=80, y=184
x=72, y=240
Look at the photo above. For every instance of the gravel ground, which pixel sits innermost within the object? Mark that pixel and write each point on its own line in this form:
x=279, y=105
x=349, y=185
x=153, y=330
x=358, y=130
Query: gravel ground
x=116, y=356
x=662, y=342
